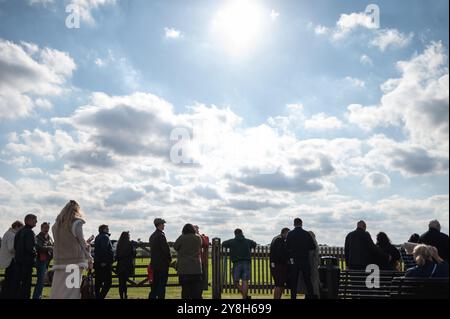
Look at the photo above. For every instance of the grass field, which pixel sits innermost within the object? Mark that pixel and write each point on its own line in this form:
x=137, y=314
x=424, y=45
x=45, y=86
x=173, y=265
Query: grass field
x=171, y=292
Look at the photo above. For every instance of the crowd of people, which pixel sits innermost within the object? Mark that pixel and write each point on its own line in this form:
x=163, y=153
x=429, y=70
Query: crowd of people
x=294, y=258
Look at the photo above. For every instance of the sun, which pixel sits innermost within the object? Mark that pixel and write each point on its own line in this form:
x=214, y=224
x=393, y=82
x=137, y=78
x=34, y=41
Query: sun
x=239, y=25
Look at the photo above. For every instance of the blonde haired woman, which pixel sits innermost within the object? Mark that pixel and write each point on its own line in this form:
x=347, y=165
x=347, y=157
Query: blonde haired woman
x=426, y=266
x=70, y=250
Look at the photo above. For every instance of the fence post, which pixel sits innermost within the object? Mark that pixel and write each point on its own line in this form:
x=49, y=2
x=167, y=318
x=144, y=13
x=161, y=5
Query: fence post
x=216, y=269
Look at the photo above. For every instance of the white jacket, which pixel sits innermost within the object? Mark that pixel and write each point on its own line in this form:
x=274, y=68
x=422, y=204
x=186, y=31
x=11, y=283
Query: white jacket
x=7, y=249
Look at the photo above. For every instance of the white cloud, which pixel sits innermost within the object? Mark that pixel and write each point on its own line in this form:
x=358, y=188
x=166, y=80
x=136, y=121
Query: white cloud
x=417, y=102
x=349, y=22
x=355, y=82
x=85, y=8
x=320, y=29
x=322, y=121
x=376, y=180
x=172, y=33
x=366, y=60
x=28, y=74
x=391, y=38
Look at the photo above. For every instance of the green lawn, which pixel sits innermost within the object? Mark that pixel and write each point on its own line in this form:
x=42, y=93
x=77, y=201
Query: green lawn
x=171, y=292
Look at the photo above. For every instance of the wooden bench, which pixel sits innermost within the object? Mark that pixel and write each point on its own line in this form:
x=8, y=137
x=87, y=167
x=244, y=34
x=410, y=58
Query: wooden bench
x=419, y=288
x=352, y=285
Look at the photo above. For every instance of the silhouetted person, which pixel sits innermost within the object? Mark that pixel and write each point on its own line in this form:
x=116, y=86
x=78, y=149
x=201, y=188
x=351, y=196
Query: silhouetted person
x=9, y=288
x=44, y=250
x=279, y=262
x=25, y=256
x=240, y=255
x=189, y=262
x=434, y=237
x=392, y=262
x=300, y=244
x=125, y=254
x=103, y=260
x=360, y=249
x=160, y=260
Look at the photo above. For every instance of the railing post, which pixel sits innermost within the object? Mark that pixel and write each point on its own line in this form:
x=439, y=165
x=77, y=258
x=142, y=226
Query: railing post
x=216, y=269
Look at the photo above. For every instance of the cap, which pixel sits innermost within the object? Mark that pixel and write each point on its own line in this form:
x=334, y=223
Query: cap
x=159, y=221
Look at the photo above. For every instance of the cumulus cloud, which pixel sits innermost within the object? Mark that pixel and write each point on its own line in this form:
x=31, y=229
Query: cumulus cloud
x=391, y=38
x=355, y=82
x=418, y=101
x=28, y=74
x=404, y=157
x=376, y=180
x=321, y=121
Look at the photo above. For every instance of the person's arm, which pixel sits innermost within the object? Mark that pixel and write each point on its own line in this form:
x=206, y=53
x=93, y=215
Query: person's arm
x=311, y=245
x=9, y=242
x=165, y=247
x=110, y=250
x=347, y=249
x=177, y=244
x=77, y=231
x=253, y=244
x=30, y=243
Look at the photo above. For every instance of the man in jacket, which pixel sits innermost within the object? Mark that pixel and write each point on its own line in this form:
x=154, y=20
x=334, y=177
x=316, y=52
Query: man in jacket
x=279, y=262
x=103, y=260
x=240, y=255
x=7, y=262
x=300, y=243
x=44, y=249
x=160, y=260
x=435, y=238
x=25, y=255
x=360, y=250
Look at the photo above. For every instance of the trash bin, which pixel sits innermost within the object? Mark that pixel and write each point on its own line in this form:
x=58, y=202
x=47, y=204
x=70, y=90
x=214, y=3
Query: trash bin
x=329, y=274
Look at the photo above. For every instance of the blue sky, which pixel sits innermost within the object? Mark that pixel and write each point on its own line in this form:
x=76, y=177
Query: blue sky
x=354, y=116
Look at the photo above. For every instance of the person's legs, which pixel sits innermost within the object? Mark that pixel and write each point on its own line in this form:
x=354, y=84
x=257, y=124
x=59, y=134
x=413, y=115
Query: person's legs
x=99, y=280
x=153, y=291
x=122, y=285
x=9, y=289
x=237, y=267
x=306, y=269
x=41, y=268
x=294, y=281
x=27, y=279
x=245, y=275
x=163, y=283
x=107, y=280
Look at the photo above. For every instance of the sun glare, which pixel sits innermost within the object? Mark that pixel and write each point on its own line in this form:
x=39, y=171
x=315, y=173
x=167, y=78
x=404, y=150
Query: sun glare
x=239, y=25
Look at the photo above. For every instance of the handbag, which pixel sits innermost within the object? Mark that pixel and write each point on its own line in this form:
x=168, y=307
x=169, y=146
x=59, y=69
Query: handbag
x=87, y=286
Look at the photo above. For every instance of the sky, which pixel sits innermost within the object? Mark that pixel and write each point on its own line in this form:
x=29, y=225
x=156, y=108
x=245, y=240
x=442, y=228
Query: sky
x=226, y=114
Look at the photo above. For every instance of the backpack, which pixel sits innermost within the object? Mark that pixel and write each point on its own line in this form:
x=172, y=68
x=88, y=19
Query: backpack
x=87, y=286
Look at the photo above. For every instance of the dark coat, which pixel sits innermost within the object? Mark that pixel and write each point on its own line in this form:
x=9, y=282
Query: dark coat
x=104, y=253
x=300, y=243
x=159, y=251
x=44, y=247
x=434, y=237
x=125, y=255
x=240, y=248
x=390, y=251
x=279, y=252
x=429, y=270
x=25, y=246
x=361, y=251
